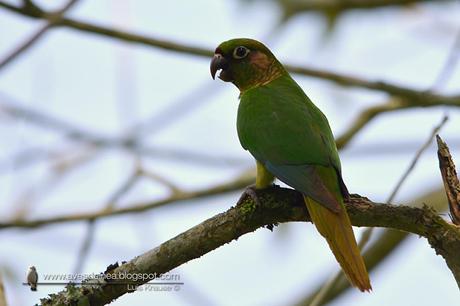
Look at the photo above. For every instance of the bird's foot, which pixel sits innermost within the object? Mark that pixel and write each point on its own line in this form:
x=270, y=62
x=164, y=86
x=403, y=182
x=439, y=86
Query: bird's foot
x=251, y=191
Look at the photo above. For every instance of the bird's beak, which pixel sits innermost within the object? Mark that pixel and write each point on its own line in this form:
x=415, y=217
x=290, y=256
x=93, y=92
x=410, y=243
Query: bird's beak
x=218, y=62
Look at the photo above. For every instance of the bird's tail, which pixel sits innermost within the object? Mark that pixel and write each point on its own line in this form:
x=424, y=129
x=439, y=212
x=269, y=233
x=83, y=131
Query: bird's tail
x=337, y=230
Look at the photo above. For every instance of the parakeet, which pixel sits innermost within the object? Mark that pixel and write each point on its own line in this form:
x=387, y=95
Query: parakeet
x=291, y=139
x=32, y=278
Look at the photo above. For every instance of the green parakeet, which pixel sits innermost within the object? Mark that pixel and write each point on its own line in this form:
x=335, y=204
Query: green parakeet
x=290, y=139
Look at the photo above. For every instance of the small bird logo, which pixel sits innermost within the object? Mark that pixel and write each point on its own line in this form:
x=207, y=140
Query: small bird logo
x=32, y=278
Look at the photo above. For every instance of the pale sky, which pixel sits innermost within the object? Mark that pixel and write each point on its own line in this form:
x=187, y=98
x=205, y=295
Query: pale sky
x=106, y=86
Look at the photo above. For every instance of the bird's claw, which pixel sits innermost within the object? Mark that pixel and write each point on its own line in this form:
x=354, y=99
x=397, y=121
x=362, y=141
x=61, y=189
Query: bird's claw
x=251, y=191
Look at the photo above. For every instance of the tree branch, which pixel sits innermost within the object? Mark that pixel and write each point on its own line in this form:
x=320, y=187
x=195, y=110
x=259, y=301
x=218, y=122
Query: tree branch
x=292, y=7
x=413, y=95
x=276, y=205
x=76, y=133
x=105, y=212
x=52, y=20
x=365, y=117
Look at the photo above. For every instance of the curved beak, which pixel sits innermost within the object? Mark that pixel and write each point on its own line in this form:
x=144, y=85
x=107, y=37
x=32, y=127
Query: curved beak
x=218, y=62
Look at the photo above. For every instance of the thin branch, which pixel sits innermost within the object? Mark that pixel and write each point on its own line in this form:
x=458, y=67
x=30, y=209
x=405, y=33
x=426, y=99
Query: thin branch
x=231, y=186
x=129, y=182
x=61, y=167
x=30, y=156
x=52, y=20
x=91, y=223
x=370, y=113
x=365, y=117
x=24, y=158
x=416, y=158
x=100, y=141
x=78, y=134
x=392, y=147
x=411, y=95
x=46, y=121
x=415, y=96
x=160, y=179
x=176, y=110
x=292, y=7
x=276, y=205
x=449, y=65
x=85, y=247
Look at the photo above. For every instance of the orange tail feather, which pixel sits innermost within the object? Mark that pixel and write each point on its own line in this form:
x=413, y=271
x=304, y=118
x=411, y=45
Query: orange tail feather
x=337, y=230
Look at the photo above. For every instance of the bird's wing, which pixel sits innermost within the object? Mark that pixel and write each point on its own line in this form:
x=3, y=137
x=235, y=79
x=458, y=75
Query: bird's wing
x=32, y=277
x=317, y=182
x=286, y=132
x=279, y=121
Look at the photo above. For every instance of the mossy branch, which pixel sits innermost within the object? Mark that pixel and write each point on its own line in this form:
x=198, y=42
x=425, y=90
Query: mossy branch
x=276, y=205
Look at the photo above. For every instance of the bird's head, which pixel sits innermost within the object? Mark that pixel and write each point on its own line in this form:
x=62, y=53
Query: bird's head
x=246, y=63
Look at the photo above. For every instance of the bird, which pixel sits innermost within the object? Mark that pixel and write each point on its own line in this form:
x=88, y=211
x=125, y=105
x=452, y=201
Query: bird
x=32, y=278
x=290, y=139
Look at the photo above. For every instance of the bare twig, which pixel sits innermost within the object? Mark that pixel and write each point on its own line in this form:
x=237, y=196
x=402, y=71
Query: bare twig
x=365, y=117
x=417, y=156
x=62, y=165
x=160, y=179
x=91, y=223
x=85, y=247
x=100, y=141
x=334, y=8
x=292, y=7
x=413, y=95
x=231, y=186
x=52, y=20
x=30, y=156
x=449, y=65
x=392, y=147
x=176, y=110
x=130, y=181
x=450, y=179
x=78, y=134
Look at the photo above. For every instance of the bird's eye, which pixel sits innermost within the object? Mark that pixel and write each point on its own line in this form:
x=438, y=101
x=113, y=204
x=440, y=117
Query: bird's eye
x=240, y=52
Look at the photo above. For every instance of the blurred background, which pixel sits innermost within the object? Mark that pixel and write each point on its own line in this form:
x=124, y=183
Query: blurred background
x=95, y=122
